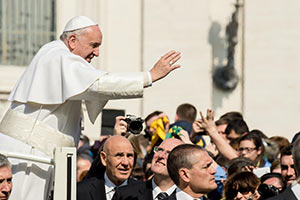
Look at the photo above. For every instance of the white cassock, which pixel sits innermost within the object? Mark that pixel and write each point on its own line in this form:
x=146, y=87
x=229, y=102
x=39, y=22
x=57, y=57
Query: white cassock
x=46, y=109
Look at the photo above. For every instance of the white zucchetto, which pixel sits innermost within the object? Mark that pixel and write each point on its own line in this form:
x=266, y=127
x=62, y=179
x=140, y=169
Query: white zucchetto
x=79, y=22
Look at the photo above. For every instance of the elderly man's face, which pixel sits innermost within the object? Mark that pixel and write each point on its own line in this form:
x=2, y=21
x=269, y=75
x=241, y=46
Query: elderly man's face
x=5, y=183
x=118, y=159
x=202, y=174
x=87, y=44
x=287, y=169
x=159, y=161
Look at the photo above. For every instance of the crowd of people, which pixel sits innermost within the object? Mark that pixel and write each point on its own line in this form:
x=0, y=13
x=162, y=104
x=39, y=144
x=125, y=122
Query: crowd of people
x=231, y=161
x=186, y=159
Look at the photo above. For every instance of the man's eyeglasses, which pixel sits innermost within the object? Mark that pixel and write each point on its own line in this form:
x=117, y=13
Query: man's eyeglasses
x=246, y=149
x=158, y=149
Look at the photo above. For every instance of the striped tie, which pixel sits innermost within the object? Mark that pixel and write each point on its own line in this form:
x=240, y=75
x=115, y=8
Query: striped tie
x=162, y=195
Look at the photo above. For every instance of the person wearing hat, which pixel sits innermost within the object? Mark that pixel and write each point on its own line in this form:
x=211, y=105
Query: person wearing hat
x=45, y=109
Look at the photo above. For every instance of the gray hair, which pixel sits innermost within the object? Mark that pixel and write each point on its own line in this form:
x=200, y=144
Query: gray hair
x=65, y=35
x=4, y=161
x=296, y=156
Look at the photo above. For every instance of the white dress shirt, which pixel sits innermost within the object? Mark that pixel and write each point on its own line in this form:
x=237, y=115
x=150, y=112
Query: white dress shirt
x=184, y=196
x=110, y=187
x=156, y=190
x=296, y=189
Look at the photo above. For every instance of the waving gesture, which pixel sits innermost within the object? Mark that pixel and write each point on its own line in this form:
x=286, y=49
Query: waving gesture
x=165, y=65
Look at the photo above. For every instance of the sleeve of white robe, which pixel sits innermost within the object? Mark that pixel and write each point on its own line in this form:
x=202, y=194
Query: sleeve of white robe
x=116, y=86
x=113, y=86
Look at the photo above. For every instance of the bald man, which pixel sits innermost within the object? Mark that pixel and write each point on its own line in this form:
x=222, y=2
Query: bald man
x=161, y=185
x=46, y=102
x=118, y=158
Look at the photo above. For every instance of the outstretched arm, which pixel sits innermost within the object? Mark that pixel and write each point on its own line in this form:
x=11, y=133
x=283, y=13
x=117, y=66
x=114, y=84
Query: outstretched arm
x=129, y=85
x=209, y=125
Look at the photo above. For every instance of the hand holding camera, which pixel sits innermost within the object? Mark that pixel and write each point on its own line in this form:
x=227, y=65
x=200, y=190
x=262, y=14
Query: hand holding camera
x=129, y=123
x=120, y=127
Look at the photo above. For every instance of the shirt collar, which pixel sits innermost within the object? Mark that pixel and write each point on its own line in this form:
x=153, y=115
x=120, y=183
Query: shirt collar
x=184, y=196
x=296, y=189
x=109, y=185
x=156, y=190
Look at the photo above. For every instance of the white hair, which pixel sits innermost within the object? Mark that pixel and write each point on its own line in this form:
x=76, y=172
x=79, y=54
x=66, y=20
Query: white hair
x=65, y=35
x=4, y=161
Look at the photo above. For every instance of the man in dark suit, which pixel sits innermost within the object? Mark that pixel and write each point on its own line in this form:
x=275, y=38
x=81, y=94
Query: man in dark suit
x=160, y=185
x=118, y=158
x=292, y=192
x=192, y=170
x=287, y=166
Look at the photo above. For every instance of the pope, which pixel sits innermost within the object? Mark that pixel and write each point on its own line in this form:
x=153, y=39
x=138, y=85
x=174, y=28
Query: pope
x=45, y=109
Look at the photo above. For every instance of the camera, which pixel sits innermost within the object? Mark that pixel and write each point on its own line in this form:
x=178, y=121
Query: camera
x=134, y=124
x=267, y=191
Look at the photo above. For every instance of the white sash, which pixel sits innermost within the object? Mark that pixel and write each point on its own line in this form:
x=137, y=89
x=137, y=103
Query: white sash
x=34, y=132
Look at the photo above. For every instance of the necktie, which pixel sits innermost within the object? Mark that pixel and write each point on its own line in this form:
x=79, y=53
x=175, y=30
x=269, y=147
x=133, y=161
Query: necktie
x=162, y=195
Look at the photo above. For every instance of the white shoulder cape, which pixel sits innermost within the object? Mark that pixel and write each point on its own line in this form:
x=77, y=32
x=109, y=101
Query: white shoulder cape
x=54, y=75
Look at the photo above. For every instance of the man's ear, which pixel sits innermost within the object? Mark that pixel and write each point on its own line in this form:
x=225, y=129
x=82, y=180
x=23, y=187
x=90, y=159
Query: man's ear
x=103, y=157
x=72, y=42
x=176, y=118
x=184, y=174
x=259, y=151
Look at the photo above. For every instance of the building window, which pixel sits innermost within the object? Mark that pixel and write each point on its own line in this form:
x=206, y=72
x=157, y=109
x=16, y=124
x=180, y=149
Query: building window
x=25, y=25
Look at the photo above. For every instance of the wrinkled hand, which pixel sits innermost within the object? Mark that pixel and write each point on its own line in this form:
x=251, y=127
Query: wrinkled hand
x=165, y=65
x=208, y=122
x=184, y=136
x=120, y=127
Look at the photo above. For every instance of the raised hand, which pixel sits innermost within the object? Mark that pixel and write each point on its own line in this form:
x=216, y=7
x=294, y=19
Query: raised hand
x=208, y=122
x=120, y=127
x=165, y=65
x=222, y=145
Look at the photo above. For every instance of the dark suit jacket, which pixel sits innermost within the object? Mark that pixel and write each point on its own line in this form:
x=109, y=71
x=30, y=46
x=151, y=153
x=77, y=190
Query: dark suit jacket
x=287, y=194
x=94, y=189
x=137, y=191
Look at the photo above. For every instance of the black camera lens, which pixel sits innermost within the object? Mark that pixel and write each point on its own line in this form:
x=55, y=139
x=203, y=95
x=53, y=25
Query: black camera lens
x=267, y=191
x=134, y=124
x=135, y=127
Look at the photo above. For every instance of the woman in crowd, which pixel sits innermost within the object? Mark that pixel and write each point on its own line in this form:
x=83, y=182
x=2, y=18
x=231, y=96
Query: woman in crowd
x=252, y=147
x=242, y=186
